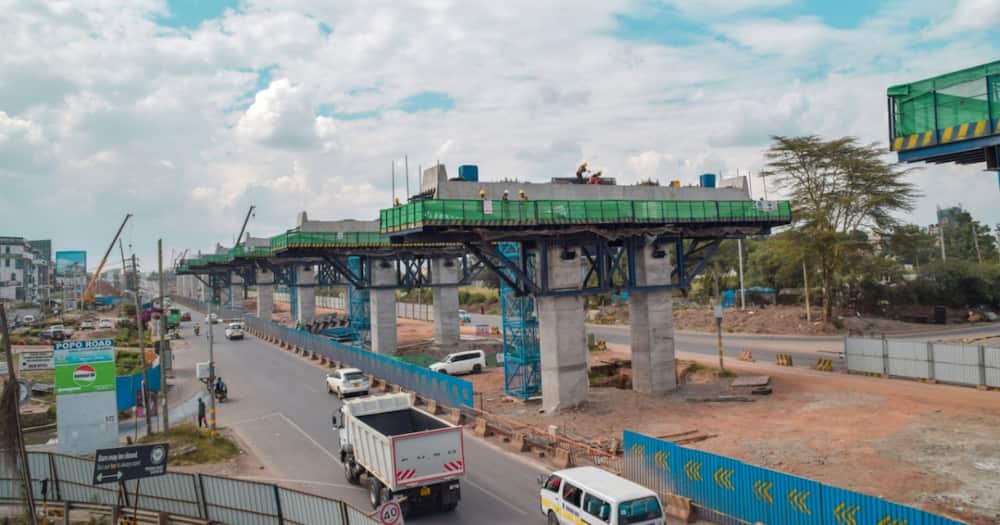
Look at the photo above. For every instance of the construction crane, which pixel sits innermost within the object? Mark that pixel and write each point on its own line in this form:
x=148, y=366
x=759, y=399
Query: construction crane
x=88, y=293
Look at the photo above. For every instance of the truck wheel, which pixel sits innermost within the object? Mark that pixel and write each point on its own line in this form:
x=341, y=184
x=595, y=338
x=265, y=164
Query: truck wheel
x=477, y=369
x=374, y=493
x=553, y=520
x=385, y=494
x=349, y=473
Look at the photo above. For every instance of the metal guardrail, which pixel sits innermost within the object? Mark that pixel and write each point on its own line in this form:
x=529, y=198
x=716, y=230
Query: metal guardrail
x=751, y=494
x=197, y=496
x=442, y=388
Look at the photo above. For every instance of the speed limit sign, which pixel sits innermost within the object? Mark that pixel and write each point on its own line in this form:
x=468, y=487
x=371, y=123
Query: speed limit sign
x=390, y=514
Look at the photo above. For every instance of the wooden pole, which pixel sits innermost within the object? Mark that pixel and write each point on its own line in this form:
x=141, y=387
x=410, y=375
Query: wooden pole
x=22, y=453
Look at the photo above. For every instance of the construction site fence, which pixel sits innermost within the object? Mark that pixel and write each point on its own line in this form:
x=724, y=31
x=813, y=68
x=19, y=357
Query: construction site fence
x=444, y=389
x=960, y=364
x=435, y=212
x=419, y=312
x=200, y=496
x=751, y=494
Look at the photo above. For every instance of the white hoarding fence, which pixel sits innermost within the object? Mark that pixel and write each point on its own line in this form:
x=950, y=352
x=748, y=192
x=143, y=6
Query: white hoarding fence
x=973, y=365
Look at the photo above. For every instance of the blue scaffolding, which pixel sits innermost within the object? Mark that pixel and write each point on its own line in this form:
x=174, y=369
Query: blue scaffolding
x=293, y=296
x=359, y=308
x=522, y=359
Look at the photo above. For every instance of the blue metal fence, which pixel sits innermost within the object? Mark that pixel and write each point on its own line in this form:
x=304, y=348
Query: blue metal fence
x=127, y=387
x=442, y=388
x=753, y=494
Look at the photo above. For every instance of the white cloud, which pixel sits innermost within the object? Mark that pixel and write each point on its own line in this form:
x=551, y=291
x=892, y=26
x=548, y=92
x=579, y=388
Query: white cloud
x=23, y=146
x=969, y=15
x=723, y=7
x=280, y=116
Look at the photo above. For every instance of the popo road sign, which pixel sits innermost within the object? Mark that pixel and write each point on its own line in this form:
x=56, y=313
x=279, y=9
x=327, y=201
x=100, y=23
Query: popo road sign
x=112, y=465
x=390, y=513
x=85, y=366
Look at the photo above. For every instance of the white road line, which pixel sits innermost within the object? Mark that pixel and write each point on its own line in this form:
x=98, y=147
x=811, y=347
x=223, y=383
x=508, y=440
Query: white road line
x=495, y=496
x=311, y=440
x=253, y=419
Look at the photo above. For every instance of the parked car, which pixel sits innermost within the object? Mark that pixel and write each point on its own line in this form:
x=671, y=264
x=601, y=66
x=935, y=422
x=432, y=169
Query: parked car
x=28, y=319
x=87, y=325
x=472, y=361
x=55, y=332
x=105, y=324
x=234, y=331
x=185, y=316
x=464, y=316
x=347, y=382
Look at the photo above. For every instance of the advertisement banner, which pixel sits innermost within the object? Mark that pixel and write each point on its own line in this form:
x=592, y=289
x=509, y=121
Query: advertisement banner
x=84, y=366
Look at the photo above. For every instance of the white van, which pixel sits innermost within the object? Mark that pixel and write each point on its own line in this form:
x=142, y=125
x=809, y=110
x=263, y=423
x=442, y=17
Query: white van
x=590, y=495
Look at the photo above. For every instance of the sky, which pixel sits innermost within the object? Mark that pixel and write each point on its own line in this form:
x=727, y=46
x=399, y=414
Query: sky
x=186, y=112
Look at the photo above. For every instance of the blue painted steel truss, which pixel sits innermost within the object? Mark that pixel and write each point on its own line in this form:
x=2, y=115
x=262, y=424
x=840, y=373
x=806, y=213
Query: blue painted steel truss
x=521, y=351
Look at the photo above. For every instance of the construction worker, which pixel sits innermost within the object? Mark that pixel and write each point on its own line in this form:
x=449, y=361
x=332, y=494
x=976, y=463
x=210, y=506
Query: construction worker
x=522, y=195
x=506, y=195
x=594, y=177
x=482, y=194
x=580, y=171
x=395, y=202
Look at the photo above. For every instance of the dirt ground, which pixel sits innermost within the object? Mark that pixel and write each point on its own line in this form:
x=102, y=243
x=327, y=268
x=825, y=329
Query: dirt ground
x=932, y=446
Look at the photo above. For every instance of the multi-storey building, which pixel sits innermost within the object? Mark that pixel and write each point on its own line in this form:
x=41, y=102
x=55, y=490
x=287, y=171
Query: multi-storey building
x=25, y=269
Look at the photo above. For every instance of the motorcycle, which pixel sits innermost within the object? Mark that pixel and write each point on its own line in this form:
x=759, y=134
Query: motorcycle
x=221, y=395
x=197, y=330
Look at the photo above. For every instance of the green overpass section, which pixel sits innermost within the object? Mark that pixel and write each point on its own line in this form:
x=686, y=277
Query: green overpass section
x=947, y=118
x=519, y=215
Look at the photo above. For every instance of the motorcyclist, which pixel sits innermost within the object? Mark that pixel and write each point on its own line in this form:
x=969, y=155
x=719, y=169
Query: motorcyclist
x=221, y=390
x=197, y=328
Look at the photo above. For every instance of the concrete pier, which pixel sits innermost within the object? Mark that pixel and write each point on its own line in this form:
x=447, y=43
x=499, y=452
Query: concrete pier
x=564, y=354
x=235, y=298
x=446, y=327
x=265, y=294
x=305, y=293
x=383, y=308
x=652, y=332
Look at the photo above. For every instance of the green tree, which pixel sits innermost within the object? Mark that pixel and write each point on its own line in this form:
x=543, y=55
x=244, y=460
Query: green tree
x=966, y=238
x=909, y=244
x=838, y=187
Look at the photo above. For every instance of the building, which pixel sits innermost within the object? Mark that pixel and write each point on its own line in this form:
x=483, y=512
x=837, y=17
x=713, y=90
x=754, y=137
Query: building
x=25, y=270
x=71, y=277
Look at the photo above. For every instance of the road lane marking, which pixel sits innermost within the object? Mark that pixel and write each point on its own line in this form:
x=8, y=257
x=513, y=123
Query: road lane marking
x=253, y=419
x=495, y=496
x=310, y=438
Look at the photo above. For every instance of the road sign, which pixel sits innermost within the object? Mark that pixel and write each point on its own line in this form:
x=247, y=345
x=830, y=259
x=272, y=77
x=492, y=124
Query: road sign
x=390, y=514
x=85, y=366
x=112, y=465
x=36, y=361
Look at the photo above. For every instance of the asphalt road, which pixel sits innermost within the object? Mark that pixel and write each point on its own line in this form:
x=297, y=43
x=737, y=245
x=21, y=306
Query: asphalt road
x=280, y=408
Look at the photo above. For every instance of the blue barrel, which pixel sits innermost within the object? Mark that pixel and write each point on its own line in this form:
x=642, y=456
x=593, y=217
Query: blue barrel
x=707, y=180
x=469, y=172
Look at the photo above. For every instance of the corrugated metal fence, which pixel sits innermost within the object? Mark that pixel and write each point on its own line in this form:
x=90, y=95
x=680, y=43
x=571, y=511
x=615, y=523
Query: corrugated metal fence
x=753, y=494
x=973, y=365
x=442, y=388
x=200, y=496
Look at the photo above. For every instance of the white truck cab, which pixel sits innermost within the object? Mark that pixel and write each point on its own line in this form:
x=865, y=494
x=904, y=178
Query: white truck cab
x=593, y=496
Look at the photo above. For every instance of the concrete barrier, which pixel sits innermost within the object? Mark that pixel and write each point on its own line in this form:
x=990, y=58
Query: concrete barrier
x=453, y=416
x=482, y=428
x=519, y=442
x=676, y=506
x=431, y=406
x=783, y=360
x=561, y=458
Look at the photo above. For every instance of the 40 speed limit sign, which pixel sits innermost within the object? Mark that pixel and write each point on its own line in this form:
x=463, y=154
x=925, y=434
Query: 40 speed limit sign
x=390, y=514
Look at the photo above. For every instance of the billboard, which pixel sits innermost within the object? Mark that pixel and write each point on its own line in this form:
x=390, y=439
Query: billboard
x=84, y=366
x=71, y=264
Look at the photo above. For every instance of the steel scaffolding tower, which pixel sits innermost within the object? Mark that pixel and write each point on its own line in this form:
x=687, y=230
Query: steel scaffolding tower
x=522, y=360
x=359, y=307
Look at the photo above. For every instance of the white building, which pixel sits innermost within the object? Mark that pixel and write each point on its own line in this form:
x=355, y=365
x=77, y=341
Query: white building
x=25, y=272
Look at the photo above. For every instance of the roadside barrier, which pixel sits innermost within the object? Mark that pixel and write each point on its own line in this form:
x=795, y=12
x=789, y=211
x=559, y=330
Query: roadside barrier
x=976, y=365
x=783, y=359
x=202, y=497
x=746, y=355
x=753, y=494
x=824, y=365
x=445, y=389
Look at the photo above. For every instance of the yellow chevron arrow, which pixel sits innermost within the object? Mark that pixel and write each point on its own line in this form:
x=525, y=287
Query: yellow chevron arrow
x=661, y=458
x=851, y=513
x=638, y=450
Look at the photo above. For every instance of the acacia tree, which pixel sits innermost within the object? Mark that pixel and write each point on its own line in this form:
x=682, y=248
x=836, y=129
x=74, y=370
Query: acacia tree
x=837, y=188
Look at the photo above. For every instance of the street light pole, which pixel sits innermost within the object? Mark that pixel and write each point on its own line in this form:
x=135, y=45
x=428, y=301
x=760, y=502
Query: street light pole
x=211, y=367
x=163, y=344
x=718, y=326
x=142, y=349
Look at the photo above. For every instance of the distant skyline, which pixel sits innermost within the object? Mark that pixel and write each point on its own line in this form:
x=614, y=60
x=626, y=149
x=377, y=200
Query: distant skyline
x=184, y=112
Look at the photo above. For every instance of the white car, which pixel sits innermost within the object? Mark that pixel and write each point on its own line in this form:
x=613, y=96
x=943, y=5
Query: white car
x=86, y=325
x=28, y=319
x=105, y=324
x=234, y=331
x=470, y=362
x=347, y=382
x=213, y=318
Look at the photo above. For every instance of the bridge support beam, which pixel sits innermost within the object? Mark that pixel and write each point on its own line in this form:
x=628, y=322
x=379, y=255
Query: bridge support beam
x=444, y=273
x=651, y=316
x=564, y=354
x=265, y=294
x=383, y=307
x=305, y=294
x=235, y=298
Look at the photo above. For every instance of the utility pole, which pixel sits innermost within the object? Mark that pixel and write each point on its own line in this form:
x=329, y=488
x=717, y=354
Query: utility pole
x=805, y=281
x=142, y=349
x=944, y=256
x=975, y=242
x=406, y=166
x=19, y=435
x=718, y=326
x=743, y=292
x=163, y=343
x=211, y=367
x=394, y=183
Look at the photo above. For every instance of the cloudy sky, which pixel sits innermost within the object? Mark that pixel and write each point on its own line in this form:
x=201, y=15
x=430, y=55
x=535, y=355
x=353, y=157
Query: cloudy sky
x=184, y=112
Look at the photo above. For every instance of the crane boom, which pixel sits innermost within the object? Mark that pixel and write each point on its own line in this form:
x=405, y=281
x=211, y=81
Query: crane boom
x=88, y=293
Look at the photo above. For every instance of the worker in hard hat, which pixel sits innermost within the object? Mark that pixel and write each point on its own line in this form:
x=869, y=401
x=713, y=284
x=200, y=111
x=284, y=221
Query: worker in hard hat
x=482, y=194
x=580, y=171
x=595, y=177
x=506, y=195
x=395, y=202
x=521, y=195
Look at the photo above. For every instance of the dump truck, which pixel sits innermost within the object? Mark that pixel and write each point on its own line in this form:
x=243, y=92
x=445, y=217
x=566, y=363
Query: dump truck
x=400, y=453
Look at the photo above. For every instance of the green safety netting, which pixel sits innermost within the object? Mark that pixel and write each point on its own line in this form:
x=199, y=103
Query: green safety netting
x=320, y=239
x=966, y=96
x=552, y=212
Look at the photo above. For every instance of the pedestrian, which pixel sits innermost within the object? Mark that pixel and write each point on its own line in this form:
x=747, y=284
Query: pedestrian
x=201, y=414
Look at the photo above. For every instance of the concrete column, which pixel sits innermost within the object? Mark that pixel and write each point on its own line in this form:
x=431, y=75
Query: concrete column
x=563, y=346
x=652, y=318
x=235, y=290
x=383, y=308
x=305, y=295
x=446, y=330
x=203, y=291
x=265, y=294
